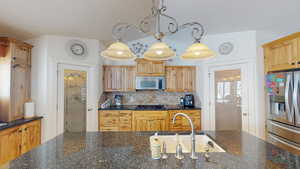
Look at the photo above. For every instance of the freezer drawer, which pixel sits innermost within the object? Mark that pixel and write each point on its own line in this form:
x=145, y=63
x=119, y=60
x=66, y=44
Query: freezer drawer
x=284, y=131
x=284, y=144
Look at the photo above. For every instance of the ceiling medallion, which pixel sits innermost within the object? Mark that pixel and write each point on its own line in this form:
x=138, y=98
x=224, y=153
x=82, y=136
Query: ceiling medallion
x=158, y=50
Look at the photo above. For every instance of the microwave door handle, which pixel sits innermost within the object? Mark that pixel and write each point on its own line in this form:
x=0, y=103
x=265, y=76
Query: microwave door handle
x=287, y=100
x=295, y=96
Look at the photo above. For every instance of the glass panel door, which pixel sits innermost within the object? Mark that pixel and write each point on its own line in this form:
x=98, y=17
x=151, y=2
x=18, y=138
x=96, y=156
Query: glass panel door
x=228, y=99
x=75, y=96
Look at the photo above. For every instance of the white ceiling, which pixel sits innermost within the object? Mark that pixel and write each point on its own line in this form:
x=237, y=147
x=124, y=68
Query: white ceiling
x=25, y=19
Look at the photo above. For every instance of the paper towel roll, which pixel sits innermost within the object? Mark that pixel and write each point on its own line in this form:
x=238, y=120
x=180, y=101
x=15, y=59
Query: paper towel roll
x=29, y=110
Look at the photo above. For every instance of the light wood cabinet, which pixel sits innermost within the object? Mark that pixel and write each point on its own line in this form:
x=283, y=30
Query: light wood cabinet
x=282, y=54
x=127, y=120
x=112, y=120
x=180, y=78
x=18, y=140
x=150, y=121
x=118, y=78
x=31, y=136
x=181, y=123
x=15, y=78
x=150, y=68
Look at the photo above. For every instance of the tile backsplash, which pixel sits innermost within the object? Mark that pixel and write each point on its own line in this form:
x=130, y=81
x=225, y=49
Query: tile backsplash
x=146, y=97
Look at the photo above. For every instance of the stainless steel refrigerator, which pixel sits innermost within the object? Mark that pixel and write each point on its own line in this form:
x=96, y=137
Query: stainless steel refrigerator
x=283, y=90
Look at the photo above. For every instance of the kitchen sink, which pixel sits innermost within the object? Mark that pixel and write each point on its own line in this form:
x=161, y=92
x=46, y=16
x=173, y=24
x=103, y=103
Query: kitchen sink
x=203, y=143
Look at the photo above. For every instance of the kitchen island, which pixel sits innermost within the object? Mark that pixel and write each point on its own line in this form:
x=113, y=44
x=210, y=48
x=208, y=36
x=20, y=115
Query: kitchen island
x=131, y=150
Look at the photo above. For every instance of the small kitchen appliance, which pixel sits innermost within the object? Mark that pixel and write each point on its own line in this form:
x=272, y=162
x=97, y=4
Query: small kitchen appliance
x=189, y=100
x=118, y=100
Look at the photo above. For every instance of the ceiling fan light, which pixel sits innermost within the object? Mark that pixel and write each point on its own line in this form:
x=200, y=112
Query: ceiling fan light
x=198, y=51
x=159, y=51
x=118, y=51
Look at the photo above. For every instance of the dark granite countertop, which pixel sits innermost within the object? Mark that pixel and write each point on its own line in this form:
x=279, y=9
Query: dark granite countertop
x=130, y=150
x=134, y=107
x=17, y=122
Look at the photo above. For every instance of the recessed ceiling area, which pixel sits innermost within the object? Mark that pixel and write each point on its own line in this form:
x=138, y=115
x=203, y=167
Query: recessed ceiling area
x=95, y=18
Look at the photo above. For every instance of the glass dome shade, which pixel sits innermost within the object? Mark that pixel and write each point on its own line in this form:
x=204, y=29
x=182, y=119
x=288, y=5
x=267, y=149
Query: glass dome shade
x=159, y=51
x=198, y=51
x=118, y=51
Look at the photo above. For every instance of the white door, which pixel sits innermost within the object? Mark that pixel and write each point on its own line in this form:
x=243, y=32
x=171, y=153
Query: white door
x=229, y=98
x=76, y=106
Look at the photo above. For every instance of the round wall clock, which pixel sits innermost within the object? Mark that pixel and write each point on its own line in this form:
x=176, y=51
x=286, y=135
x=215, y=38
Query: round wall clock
x=226, y=48
x=77, y=48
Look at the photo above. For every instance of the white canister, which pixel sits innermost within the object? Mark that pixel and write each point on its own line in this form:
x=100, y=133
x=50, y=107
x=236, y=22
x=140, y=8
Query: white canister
x=29, y=110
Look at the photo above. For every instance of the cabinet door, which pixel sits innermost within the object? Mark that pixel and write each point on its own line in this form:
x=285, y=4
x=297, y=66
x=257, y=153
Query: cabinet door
x=171, y=83
x=150, y=121
x=10, y=144
x=109, y=120
x=112, y=78
x=180, y=78
x=125, y=120
x=31, y=136
x=281, y=56
x=150, y=68
x=19, y=91
x=181, y=123
x=128, y=76
x=119, y=78
x=188, y=79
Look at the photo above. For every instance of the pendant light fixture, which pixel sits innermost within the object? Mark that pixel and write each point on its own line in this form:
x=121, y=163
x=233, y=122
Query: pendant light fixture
x=118, y=51
x=158, y=50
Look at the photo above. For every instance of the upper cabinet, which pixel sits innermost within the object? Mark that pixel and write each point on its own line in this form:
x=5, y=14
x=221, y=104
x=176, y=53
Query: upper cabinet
x=150, y=68
x=119, y=78
x=180, y=78
x=283, y=54
x=15, y=78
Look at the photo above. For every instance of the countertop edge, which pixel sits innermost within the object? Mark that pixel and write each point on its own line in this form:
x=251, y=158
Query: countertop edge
x=19, y=122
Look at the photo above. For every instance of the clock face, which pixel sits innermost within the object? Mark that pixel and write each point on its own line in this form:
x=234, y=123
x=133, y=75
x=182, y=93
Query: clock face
x=226, y=48
x=77, y=49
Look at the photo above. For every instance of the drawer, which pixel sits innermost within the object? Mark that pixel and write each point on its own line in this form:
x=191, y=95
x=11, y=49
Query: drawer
x=109, y=113
x=109, y=129
x=284, y=144
x=282, y=130
x=109, y=121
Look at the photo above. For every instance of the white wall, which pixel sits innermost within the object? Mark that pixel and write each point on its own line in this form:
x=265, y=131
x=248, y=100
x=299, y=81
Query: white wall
x=48, y=51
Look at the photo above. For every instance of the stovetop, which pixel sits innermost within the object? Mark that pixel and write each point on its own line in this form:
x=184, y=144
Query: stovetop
x=150, y=107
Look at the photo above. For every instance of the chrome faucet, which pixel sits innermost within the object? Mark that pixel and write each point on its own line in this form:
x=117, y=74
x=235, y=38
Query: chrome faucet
x=193, y=140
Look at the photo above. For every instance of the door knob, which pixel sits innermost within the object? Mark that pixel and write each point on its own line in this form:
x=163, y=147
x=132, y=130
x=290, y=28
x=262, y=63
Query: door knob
x=90, y=109
x=245, y=114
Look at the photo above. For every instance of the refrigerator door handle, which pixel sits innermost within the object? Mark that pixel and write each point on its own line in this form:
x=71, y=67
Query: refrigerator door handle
x=295, y=96
x=287, y=98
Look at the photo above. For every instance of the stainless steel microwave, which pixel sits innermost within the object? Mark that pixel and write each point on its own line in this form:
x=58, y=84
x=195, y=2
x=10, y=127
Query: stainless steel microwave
x=150, y=83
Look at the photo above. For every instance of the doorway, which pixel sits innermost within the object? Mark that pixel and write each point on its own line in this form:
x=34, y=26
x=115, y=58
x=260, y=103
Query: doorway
x=229, y=98
x=75, y=82
x=73, y=98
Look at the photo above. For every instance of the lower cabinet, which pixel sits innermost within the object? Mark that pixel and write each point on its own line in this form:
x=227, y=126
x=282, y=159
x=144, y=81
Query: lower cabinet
x=150, y=121
x=181, y=123
x=127, y=120
x=19, y=140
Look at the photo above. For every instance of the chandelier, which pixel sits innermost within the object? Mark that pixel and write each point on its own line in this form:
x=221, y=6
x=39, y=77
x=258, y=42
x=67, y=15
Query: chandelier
x=159, y=50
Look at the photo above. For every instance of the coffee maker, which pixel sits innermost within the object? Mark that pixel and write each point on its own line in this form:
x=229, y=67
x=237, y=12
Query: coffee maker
x=118, y=100
x=189, y=100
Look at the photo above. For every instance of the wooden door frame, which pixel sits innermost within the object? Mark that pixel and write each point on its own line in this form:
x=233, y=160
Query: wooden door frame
x=249, y=66
x=60, y=93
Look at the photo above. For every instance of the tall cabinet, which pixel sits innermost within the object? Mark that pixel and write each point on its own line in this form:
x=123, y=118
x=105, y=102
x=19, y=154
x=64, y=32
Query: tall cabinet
x=15, y=78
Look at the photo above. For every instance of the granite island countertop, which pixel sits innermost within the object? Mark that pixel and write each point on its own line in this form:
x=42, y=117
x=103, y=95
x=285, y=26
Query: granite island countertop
x=130, y=150
x=135, y=107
